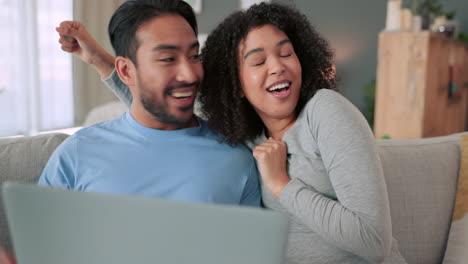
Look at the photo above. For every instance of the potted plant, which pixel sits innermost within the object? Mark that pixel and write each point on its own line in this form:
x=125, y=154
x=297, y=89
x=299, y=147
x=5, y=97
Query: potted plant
x=428, y=10
x=450, y=24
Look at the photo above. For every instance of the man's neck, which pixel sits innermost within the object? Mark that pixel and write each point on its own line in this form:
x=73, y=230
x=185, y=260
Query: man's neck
x=146, y=119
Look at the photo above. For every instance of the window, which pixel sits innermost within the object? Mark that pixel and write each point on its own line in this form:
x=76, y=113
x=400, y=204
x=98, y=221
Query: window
x=35, y=74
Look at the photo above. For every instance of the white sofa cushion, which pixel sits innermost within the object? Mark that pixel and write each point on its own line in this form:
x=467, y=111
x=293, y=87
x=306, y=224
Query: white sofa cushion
x=421, y=177
x=22, y=160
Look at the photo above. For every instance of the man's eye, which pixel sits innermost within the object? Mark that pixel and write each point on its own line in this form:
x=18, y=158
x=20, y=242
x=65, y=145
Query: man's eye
x=195, y=57
x=286, y=55
x=167, y=60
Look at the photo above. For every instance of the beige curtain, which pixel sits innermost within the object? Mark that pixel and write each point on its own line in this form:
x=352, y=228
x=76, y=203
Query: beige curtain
x=89, y=91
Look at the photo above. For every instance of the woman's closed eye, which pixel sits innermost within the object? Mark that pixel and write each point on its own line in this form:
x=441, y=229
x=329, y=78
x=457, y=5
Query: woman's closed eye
x=258, y=63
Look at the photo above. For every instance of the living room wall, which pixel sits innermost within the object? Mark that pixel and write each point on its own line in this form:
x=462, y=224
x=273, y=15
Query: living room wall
x=214, y=11
x=352, y=28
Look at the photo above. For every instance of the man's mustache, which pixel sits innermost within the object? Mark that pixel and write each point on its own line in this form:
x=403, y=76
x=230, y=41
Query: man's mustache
x=171, y=88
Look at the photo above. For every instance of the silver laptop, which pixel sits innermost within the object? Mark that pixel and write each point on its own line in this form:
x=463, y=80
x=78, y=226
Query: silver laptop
x=55, y=226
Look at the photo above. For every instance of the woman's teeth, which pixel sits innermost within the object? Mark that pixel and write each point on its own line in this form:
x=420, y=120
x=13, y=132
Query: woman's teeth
x=278, y=87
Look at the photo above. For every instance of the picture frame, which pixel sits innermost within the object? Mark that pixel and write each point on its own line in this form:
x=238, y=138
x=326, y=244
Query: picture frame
x=196, y=5
x=245, y=4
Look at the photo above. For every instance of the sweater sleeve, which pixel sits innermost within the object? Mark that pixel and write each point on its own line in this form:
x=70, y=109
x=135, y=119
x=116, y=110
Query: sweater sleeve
x=358, y=221
x=119, y=88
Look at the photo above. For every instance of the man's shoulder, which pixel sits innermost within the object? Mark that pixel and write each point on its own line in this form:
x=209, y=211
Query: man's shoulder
x=102, y=129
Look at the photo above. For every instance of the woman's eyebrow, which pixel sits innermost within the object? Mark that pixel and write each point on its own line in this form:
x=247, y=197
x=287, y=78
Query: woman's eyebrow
x=252, y=52
x=284, y=41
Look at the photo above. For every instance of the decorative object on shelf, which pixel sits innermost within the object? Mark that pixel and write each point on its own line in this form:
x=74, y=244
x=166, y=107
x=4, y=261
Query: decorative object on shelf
x=439, y=24
x=451, y=25
x=399, y=18
x=428, y=10
x=446, y=25
x=417, y=23
x=245, y=4
x=406, y=19
x=196, y=5
x=393, y=22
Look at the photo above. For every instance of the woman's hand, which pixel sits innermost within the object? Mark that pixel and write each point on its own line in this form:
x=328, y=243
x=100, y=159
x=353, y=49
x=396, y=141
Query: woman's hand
x=75, y=38
x=271, y=160
x=6, y=258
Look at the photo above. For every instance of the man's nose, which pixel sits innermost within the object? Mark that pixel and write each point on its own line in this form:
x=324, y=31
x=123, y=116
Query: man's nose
x=187, y=72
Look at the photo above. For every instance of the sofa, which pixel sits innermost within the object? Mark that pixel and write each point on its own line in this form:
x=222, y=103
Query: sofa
x=421, y=177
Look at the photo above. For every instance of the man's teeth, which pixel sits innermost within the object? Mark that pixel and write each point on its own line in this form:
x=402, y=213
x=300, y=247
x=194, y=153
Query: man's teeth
x=278, y=87
x=182, y=94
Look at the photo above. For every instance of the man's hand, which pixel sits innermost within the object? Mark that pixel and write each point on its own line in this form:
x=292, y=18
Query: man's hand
x=6, y=258
x=271, y=160
x=75, y=38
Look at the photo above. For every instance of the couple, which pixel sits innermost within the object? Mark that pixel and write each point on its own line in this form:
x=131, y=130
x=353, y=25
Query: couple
x=264, y=70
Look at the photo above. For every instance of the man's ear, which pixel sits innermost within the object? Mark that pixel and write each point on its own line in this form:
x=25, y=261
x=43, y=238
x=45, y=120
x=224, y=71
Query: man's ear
x=126, y=70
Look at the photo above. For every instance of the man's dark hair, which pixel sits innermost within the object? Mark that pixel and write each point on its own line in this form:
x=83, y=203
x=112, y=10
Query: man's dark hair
x=133, y=13
x=229, y=114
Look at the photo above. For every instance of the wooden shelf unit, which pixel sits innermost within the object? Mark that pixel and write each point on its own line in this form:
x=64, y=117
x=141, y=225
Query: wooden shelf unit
x=413, y=79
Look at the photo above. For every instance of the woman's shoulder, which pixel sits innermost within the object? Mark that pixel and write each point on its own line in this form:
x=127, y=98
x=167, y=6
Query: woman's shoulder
x=329, y=107
x=324, y=97
x=324, y=101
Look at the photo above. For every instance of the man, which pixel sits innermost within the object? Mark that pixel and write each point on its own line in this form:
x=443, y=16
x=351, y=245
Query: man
x=159, y=148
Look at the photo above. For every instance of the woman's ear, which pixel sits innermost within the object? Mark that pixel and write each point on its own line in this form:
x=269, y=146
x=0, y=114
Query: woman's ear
x=126, y=70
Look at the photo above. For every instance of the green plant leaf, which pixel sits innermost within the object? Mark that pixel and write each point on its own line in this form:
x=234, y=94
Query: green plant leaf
x=369, y=102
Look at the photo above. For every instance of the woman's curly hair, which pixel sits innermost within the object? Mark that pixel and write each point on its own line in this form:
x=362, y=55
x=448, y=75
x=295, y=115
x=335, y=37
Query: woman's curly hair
x=229, y=114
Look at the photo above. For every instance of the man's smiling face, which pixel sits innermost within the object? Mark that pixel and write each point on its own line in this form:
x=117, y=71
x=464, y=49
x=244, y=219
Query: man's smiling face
x=168, y=69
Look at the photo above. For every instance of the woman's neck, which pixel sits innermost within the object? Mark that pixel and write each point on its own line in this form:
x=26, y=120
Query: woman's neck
x=277, y=127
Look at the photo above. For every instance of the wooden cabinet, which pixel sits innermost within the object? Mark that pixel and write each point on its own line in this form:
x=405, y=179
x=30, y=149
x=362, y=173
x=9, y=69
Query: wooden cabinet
x=414, y=75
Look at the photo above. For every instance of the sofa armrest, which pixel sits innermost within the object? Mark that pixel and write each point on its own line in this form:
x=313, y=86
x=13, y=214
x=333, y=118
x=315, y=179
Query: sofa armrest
x=22, y=160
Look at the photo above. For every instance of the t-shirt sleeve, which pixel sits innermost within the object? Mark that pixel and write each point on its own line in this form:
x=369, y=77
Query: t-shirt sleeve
x=61, y=167
x=119, y=88
x=358, y=221
x=251, y=195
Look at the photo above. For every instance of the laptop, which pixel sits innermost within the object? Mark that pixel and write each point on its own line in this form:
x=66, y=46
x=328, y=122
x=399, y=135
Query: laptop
x=56, y=226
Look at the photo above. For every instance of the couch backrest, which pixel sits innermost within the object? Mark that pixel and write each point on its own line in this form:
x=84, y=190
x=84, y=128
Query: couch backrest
x=421, y=177
x=22, y=160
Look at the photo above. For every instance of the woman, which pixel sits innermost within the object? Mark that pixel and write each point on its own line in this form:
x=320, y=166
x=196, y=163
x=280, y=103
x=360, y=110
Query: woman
x=265, y=70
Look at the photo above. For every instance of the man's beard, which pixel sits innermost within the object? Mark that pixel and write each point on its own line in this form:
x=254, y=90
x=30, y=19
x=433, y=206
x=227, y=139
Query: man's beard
x=159, y=111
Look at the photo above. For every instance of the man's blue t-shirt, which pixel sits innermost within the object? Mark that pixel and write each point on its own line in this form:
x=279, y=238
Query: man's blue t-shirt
x=122, y=156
